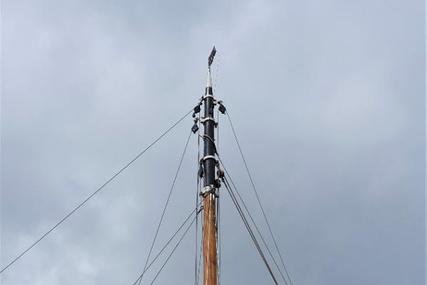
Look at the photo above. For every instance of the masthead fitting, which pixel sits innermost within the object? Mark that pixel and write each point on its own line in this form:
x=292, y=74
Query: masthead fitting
x=209, y=81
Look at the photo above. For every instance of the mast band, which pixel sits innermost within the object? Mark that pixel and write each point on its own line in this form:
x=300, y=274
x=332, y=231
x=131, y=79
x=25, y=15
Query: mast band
x=203, y=120
x=208, y=157
x=210, y=189
x=208, y=96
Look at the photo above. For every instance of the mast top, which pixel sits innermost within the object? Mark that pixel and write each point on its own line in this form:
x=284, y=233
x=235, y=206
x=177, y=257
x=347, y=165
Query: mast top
x=211, y=57
x=210, y=60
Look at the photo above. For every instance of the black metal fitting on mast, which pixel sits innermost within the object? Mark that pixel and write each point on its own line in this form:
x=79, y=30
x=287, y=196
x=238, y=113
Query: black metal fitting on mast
x=209, y=131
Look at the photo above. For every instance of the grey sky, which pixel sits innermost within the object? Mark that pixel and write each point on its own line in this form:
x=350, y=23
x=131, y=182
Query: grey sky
x=327, y=97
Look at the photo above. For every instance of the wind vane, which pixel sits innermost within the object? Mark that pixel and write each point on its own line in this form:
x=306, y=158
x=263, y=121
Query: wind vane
x=211, y=56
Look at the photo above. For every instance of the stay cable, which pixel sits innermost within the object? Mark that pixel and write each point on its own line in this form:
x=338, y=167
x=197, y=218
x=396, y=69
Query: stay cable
x=108, y=181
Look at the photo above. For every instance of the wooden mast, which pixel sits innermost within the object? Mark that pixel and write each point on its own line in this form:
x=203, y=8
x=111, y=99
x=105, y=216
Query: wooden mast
x=209, y=191
x=210, y=271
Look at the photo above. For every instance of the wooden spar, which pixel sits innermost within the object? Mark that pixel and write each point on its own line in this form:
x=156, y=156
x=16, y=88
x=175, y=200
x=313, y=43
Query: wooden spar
x=210, y=271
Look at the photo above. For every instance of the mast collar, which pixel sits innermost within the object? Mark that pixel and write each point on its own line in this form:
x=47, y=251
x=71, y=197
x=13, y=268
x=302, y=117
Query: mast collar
x=209, y=189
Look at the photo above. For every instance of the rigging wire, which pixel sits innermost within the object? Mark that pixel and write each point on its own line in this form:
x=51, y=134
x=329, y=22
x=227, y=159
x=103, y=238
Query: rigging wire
x=247, y=210
x=253, y=222
x=200, y=259
x=167, y=202
x=95, y=192
x=249, y=214
x=218, y=210
x=197, y=202
x=248, y=228
x=165, y=245
x=257, y=197
x=176, y=246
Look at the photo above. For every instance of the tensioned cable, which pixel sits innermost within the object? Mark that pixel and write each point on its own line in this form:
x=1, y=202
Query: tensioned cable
x=95, y=192
x=200, y=258
x=247, y=210
x=258, y=198
x=249, y=214
x=248, y=228
x=197, y=202
x=253, y=221
x=174, y=249
x=167, y=202
x=165, y=246
x=218, y=210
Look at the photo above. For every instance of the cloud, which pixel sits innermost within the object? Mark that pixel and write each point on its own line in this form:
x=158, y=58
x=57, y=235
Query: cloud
x=327, y=98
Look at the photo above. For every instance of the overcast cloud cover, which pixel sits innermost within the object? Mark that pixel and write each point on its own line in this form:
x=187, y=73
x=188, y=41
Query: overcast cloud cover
x=327, y=97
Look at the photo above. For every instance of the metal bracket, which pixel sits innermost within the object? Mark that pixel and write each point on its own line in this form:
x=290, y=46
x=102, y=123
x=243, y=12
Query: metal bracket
x=209, y=96
x=210, y=189
x=203, y=120
x=209, y=157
